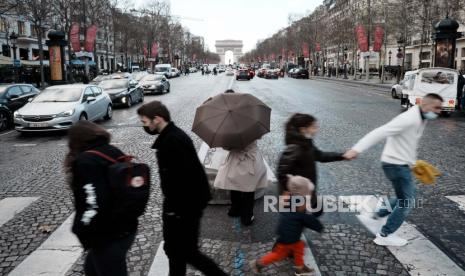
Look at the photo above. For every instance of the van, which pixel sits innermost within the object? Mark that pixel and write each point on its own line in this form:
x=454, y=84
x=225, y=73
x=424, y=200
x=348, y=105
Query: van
x=442, y=81
x=163, y=69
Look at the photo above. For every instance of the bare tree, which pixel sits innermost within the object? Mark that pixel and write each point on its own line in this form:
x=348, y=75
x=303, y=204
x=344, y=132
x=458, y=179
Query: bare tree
x=38, y=12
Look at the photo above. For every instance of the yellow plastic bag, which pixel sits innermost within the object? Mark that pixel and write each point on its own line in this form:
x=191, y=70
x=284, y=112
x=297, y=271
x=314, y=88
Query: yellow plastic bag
x=425, y=172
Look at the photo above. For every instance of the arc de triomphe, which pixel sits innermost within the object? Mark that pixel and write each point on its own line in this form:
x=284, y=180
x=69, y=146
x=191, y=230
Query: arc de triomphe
x=222, y=46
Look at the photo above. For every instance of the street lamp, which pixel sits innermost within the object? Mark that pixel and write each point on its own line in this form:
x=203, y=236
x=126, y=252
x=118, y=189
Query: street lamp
x=389, y=53
x=14, y=40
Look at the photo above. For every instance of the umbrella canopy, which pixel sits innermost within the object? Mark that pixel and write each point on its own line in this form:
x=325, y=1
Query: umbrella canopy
x=232, y=120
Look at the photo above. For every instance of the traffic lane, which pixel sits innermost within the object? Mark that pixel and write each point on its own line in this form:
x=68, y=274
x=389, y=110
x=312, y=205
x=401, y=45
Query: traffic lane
x=348, y=113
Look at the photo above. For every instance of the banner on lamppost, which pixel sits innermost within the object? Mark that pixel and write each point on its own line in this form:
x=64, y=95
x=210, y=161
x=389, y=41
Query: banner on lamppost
x=361, y=38
x=154, y=52
x=91, y=34
x=74, y=37
x=305, y=50
x=194, y=57
x=55, y=63
x=379, y=34
x=317, y=47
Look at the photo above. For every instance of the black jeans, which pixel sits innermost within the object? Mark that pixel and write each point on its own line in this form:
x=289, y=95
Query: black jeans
x=181, y=235
x=242, y=204
x=109, y=259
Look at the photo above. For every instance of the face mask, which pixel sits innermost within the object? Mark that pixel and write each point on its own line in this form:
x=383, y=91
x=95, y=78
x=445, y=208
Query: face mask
x=151, y=132
x=430, y=115
x=308, y=136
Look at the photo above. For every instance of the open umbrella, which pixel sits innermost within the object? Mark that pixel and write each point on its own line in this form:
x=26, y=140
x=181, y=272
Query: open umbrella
x=232, y=120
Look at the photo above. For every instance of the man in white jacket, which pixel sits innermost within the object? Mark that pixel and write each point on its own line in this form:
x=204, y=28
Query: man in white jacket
x=400, y=152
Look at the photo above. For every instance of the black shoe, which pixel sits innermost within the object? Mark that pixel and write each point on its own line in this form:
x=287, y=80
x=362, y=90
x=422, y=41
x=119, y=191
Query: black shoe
x=234, y=214
x=248, y=221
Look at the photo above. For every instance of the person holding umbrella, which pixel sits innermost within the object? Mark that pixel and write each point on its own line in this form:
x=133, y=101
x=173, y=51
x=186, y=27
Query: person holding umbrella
x=234, y=121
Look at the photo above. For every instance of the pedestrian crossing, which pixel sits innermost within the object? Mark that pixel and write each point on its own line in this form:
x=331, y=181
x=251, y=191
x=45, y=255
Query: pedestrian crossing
x=62, y=249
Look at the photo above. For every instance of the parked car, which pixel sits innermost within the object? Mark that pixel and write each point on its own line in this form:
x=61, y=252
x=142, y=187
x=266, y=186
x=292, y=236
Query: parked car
x=152, y=84
x=101, y=78
x=261, y=72
x=139, y=75
x=12, y=98
x=242, y=74
x=272, y=74
x=175, y=73
x=59, y=107
x=124, y=92
x=396, y=89
x=300, y=73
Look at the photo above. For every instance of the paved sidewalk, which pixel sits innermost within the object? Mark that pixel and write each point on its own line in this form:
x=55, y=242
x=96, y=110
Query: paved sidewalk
x=373, y=82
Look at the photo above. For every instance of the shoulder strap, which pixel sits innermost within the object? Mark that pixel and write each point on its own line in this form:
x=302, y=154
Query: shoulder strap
x=104, y=156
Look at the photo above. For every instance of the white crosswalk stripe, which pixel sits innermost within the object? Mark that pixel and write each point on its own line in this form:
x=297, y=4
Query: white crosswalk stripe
x=459, y=199
x=11, y=206
x=55, y=256
x=420, y=256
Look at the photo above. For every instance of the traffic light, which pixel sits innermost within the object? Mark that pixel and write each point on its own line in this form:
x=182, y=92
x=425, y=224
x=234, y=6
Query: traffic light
x=5, y=50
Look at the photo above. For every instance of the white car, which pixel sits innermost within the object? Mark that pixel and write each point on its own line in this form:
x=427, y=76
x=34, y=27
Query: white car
x=175, y=73
x=229, y=72
x=396, y=90
x=61, y=106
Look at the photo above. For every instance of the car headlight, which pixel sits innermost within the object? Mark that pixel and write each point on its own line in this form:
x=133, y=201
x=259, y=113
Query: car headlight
x=17, y=115
x=66, y=113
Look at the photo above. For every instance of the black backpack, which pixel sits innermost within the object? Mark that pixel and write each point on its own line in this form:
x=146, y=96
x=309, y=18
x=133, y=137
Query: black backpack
x=130, y=183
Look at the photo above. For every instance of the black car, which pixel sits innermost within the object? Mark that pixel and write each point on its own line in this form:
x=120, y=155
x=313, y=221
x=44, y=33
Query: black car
x=123, y=91
x=152, y=84
x=300, y=74
x=12, y=98
x=242, y=74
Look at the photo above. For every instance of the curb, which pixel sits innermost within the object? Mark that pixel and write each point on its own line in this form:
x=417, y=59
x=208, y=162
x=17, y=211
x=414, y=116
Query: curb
x=383, y=86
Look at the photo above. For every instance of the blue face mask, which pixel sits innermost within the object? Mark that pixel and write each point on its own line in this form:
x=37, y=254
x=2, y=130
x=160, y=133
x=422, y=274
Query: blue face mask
x=430, y=115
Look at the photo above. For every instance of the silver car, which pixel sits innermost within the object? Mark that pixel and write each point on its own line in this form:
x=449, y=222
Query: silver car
x=59, y=107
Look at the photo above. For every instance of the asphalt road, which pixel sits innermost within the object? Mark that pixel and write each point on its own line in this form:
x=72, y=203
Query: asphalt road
x=31, y=165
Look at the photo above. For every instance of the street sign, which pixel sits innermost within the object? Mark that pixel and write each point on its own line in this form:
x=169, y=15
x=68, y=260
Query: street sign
x=17, y=63
x=84, y=54
x=151, y=59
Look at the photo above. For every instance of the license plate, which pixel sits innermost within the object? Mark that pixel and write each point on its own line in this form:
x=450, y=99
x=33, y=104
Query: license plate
x=38, y=125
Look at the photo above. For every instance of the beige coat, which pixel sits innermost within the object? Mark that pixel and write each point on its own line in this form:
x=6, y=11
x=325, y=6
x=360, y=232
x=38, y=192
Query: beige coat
x=243, y=170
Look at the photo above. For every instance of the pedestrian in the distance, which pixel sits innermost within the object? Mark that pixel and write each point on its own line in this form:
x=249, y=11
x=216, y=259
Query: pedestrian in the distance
x=290, y=227
x=242, y=173
x=185, y=188
x=400, y=152
x=301, y=155
x=106, y=238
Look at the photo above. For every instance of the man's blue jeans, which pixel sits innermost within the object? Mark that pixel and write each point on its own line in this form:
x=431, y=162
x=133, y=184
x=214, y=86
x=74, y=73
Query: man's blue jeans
x=402, y=205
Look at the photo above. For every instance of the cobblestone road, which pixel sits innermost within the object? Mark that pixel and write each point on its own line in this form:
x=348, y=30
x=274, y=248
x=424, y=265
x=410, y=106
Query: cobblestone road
x=31, y=166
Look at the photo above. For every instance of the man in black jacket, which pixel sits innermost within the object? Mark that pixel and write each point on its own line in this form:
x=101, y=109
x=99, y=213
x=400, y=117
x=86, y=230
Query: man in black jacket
x=185, y=188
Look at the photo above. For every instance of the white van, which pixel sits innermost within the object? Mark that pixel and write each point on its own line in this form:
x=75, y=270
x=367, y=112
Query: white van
x=418, y=83
x=163, y=69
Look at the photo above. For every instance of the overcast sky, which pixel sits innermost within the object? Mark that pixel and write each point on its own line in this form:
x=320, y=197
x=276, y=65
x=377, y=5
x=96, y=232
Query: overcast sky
x=246, y=20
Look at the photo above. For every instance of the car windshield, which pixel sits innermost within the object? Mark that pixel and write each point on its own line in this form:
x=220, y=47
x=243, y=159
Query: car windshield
x=152, y=78
x=2, y=90
x=59, y=94
x=162, y=69
x=114, y=84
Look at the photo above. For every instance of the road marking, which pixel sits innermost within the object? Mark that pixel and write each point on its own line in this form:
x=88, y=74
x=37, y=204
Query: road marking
x=309, y=259
x=11, y=206
x=231, y=83
x=420, y=256
x=7, y=132
x=24, y=145
x=62, y=249
x=460, y=200
x=160, y=264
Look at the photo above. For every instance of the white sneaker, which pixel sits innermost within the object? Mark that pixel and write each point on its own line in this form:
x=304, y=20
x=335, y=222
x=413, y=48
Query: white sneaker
x=389, y=240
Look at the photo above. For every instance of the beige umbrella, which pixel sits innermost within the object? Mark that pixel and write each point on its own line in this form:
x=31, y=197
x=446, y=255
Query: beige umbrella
x=232, y=120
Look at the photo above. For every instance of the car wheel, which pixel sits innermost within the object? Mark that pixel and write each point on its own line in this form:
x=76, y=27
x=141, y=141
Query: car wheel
x=168, y=90
x=3, y=121
x=129, y=103
x=109, y=113
x=394, y=94
x=83, y=117
x=141, y=97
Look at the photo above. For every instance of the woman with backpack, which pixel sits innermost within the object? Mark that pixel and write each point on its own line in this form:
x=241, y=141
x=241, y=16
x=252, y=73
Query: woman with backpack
x=106, y=237
x=300, y=155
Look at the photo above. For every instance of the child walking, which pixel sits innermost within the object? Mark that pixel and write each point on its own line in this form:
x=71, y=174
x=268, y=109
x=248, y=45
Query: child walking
x=290, y=227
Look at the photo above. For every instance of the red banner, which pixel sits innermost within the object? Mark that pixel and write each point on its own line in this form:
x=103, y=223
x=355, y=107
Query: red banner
x=146, y=52
x=273, y=56
x=90, y=38
x=379, y=35
x=74, y=37
x=317, y=47
x=154, y=52
x=305, y=50
x=361, y=38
